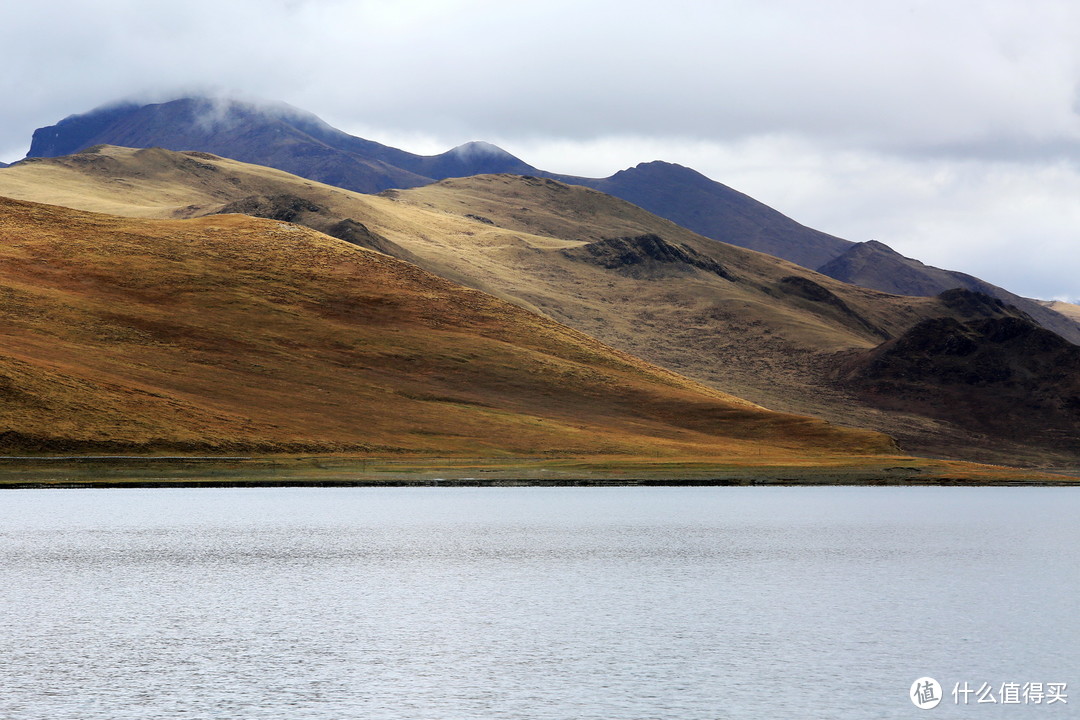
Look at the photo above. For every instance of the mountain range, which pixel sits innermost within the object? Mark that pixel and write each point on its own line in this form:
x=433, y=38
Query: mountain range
x=283, y=137
x=748, y=324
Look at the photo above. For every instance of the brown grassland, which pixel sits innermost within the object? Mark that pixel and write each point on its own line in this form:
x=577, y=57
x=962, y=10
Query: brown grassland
x=232, y=334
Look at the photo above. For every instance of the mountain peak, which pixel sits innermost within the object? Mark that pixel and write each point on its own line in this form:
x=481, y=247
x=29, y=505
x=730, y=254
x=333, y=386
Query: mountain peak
x=167, y=123
x=478, y=147
x=654, y=168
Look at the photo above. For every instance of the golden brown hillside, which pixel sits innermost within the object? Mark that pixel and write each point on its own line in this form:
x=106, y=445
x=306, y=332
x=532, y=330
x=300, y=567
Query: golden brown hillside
x=1069, y=310
x=742, y=322
x=510, y=236
x=232, y=333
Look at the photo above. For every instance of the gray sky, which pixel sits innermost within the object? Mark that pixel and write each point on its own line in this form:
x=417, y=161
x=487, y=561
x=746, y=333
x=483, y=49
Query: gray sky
x=949, y=130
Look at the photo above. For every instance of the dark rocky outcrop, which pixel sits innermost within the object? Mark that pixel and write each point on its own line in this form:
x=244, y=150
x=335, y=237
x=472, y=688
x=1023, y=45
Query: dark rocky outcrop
x=286, y=208
x=645, y=256
x=295, y=209
x=1002, y=376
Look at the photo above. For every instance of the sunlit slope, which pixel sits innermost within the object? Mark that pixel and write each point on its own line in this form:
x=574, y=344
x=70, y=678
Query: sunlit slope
x=742, y=320
x=746, y=323
x=230, y=333
x=516, y=237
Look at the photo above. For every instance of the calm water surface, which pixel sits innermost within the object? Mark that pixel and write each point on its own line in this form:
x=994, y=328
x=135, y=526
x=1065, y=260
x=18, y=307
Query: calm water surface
x=524, y=603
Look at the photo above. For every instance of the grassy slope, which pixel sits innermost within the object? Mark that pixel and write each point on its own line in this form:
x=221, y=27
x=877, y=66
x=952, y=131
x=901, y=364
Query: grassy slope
x=1069, y=310
x=754, y=337
x=230, y=333
x=529, y=216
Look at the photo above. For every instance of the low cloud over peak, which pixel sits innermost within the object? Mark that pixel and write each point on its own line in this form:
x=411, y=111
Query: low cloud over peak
x=929, y=125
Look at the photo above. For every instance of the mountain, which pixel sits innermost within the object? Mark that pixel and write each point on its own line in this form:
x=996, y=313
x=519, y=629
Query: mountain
x=277, y=136
x=716, y=211
x=283, y=137
x=754, y=325
x=230, y=333
x=1000, y=374
x=742, y=322
x=1069, y=310
x=297, y=142
x=874, y=264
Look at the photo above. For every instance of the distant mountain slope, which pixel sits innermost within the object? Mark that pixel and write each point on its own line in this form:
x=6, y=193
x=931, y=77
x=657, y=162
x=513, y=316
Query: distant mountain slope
x=876, y=265
x=300, y=143
x=709, y=208
x=289, y=139
x=1069, y=310
x=230, y=333
x=276, y=136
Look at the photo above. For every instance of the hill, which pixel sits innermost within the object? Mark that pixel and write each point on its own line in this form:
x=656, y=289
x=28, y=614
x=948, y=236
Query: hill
x=286, y=138
x=1069, y=310
x=1002, y=376
x=230, y=333
x=740, y=321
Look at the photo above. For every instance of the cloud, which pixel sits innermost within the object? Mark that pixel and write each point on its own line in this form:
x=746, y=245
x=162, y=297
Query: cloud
x=899, y=76
x=943, y=128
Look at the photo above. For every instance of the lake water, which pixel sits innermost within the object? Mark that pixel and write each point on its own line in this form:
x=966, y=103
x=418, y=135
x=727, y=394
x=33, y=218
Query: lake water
x=522, y=603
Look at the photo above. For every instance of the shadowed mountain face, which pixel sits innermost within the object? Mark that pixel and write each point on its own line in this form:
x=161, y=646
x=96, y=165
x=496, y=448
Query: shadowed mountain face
x=876, y=265
x=716, y=211
x=998, y=374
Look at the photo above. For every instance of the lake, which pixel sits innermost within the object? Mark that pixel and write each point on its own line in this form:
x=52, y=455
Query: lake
x=522, y=603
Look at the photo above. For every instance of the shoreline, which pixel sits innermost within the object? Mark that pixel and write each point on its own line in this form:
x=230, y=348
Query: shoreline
x=119, y=471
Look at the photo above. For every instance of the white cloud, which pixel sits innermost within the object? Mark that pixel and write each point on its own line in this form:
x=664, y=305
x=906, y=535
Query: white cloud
x=949, y=130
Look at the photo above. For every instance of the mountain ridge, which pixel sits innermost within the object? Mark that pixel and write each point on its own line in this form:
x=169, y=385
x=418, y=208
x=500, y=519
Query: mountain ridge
x=747, y=323
x=874, y=264
x=290, y=139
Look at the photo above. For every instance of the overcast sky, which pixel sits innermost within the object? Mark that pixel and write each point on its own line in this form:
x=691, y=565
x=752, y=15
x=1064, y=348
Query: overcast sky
x=948, y=130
